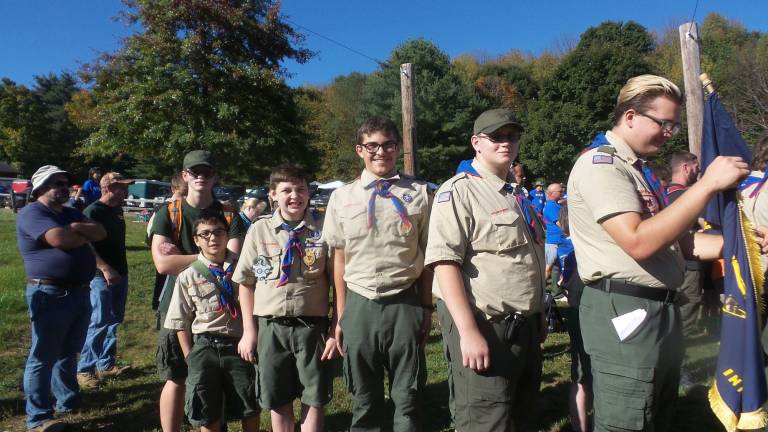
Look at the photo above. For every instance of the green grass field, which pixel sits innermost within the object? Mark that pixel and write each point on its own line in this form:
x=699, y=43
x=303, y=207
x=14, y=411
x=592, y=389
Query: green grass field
x=130, y=402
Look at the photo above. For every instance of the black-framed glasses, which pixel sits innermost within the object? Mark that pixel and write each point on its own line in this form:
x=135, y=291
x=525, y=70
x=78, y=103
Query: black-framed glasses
x=206, y=235
x=200, y=172
x=667, y=126
x=373, y=147
x=511, y=137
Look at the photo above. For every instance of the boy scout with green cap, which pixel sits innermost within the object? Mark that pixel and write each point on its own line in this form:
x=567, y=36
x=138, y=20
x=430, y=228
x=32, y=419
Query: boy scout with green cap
x=628, y=249
x=283, y=282
x=377, y=226
x=486, y=246
x=173, y=250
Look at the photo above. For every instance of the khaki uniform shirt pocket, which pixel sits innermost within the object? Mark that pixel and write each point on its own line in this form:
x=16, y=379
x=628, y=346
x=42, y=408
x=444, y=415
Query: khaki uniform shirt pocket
x=509, y=231
x=205, y=297
x=354, y=222
x=314, y=262
x=266, y=268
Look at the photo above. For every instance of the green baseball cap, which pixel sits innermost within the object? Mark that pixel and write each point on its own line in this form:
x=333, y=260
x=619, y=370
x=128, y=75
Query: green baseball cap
x=490, y=121
x=198, y=157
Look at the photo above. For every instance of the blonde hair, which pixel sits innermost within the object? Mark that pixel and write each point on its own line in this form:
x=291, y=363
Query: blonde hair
x=256, y=203
x=640, y=91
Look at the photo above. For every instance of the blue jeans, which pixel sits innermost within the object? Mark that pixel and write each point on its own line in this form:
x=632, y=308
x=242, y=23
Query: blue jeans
x=108, y=311
x=59, y=322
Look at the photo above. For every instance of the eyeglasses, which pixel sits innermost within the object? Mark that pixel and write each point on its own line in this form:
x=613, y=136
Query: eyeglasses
x=201, y=172
x=206, y=235
x=667, y=126
x=500, y=138
x=373, y=147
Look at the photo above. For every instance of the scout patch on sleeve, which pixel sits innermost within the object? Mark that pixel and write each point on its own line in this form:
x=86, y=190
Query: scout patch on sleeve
x=262, y=268
x=407, y=197
x=444, y=196
x=602, y=159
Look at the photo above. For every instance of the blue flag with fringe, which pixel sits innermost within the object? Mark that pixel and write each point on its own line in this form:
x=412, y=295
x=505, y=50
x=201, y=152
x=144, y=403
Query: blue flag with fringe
x=739, y=390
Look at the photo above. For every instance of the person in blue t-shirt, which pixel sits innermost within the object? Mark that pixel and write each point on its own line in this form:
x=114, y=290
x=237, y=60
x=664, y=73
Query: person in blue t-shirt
x=537, y=196
x=91, y=190
x=54, y=244
x=553, y=234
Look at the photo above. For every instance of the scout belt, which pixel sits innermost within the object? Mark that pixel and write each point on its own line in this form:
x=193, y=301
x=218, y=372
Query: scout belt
x=620, y=286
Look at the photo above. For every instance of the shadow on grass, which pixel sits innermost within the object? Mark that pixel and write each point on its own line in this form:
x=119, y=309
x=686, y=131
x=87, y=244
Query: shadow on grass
x=129, y=408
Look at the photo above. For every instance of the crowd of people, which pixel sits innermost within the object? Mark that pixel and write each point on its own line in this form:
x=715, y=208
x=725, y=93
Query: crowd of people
x=251, y=308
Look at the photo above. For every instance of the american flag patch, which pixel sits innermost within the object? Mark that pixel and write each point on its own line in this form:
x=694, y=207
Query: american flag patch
x=602, y=159
x=444, y=196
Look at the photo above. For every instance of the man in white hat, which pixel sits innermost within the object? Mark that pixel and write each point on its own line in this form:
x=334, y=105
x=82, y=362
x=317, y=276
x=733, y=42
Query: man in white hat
x=59, y=263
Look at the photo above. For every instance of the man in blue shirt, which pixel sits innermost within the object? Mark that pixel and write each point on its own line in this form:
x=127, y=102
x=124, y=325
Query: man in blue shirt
x=553, y=233
x=537, y=196
x=59, y=263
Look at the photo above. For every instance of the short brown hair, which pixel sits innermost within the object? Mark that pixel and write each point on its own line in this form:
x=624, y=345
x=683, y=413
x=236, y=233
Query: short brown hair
x=378, y=124
x=760, y=153
x=287, y=173
x=639, y=92
x=679, y=158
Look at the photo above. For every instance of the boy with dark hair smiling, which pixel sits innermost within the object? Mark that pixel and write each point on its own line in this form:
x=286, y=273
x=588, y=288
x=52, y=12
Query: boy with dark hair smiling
x=284, y=284
x=204, y=309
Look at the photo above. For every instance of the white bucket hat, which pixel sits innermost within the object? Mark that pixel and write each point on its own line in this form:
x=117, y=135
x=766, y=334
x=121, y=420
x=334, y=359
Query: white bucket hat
x=43, y=174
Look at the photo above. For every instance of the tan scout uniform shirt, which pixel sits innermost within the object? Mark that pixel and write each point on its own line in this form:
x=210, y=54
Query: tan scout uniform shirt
x=601, y=186
x=388, y=258
x=478, y=225
x=195, y=305
x=306, y=293
x=756, y=209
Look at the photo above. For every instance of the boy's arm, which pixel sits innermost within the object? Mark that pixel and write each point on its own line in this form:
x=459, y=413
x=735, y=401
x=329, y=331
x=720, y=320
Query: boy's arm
x=248, y=343
x=340, y=295
x=167, y=257
x=185, y=341
x=331, y=350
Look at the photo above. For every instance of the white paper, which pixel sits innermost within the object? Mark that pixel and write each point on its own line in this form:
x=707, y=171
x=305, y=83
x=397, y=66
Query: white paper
x=628, y=323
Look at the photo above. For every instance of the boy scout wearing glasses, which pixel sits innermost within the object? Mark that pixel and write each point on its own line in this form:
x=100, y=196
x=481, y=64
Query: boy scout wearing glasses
x=283, y=282
x=173, y=250
x=486, y=247
x=377, y=226
x=628, y=250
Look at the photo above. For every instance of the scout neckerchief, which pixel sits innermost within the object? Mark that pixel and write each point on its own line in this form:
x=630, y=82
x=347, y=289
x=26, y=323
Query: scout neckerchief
x=529, y=213
x=222, y=278
x=642, y=166
x=749, y=181
x=381, y=188
x=293, y=243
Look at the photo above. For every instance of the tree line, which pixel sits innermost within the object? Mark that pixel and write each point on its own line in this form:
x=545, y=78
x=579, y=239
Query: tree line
x=208, y=75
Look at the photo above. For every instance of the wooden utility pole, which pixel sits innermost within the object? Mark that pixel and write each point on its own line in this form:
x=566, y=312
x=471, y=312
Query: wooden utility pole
x=694, y=97
x=409, y=119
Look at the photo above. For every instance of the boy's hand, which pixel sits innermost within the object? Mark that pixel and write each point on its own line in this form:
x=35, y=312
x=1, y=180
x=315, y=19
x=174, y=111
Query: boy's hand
x=330, y=351
x=338, y=335
x=247, y=346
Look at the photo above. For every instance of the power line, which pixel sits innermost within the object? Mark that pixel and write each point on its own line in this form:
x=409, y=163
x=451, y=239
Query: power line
x=690, y=26
x=377, y=61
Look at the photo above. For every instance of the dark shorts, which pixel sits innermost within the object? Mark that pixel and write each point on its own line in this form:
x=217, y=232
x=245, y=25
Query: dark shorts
x=169, y=358
x=581, y=368
x=289, y=363
x=218, y=374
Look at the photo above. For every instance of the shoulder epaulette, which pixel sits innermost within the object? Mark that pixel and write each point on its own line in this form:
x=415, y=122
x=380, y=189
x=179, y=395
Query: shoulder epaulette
x=611, y=150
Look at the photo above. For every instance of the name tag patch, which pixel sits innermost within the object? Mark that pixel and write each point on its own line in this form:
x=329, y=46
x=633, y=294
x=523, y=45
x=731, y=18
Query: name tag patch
x=444, y=196
x=602, y=159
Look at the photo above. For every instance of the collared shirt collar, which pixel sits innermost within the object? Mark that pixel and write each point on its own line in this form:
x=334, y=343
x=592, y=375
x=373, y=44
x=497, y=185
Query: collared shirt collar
x=229, y=259
x=277, y=220
x=622, y=148
x=366, y=178
x=497, y=183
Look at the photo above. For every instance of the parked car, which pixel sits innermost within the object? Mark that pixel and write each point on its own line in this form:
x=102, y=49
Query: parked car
x=320, y=199
x=147, y=193
x=228, y=193
x=21, y=189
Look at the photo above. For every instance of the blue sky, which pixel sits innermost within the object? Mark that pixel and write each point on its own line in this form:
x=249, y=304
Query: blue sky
x=43, y=36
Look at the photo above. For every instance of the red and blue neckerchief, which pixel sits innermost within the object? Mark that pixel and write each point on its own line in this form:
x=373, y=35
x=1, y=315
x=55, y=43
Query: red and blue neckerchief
x=227, y=299
x=751, y=180
x=529, y=213
x=293, y=243
x=381, y=188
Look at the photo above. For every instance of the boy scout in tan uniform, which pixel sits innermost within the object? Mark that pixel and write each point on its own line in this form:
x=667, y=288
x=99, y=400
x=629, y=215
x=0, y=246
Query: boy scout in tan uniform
x=290, y=303
x=377, y=226
x=630, y=260
x=487, y=248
